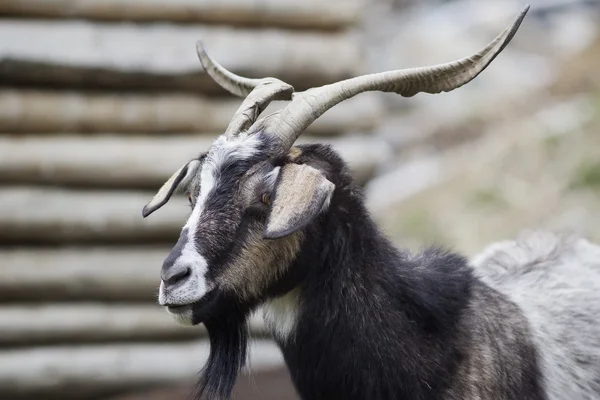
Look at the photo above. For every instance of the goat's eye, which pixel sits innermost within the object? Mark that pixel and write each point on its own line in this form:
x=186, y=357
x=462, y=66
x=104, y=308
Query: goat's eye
x=265, y=199
x=190, y=199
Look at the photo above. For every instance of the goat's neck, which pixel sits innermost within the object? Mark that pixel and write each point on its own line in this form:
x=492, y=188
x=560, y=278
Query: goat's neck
x=332, y=254
x=359, y=296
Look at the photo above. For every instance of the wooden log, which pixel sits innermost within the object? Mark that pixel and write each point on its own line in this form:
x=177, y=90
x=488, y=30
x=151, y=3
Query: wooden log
x=164, y=56
x=140, y=162
x=87, y=372
x=74, y=273
x=94, y=322
x=52, y=111
x=45, y=215
x=312, y=14
x=39, y=111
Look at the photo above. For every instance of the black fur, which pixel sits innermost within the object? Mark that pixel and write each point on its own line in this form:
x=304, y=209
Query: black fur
x=377, y=323
x=225, y=321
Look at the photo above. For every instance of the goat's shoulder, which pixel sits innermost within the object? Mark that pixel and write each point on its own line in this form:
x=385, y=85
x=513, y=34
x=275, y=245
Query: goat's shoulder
x=433, y=286
x=489, y=336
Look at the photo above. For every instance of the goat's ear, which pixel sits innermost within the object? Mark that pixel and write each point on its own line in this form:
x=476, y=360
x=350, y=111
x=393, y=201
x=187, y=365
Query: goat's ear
x=181, y=178
x=301, y=193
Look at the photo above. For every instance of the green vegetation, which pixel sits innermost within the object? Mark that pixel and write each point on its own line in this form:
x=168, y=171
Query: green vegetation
x=586, y=176
x=488, y=197
x=551, y=143
x=420, y=225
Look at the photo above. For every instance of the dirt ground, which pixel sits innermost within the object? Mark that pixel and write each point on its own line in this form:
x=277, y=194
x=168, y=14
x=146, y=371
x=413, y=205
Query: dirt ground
x=268, y=385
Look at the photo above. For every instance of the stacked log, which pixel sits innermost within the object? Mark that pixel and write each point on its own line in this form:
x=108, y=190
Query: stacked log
x=162, y=56
x=308, y=14
x=100, y=102
x=95, y=370
x=108, y=274
x=24, y=111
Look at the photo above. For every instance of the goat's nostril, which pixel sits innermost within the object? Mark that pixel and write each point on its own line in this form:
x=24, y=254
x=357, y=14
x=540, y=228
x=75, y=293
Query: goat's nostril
x=176, y=275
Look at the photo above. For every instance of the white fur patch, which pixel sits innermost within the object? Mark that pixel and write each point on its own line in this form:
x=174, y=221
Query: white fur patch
x=223, y=150
x=281, y=315
x=327, y=202
x=271, y=177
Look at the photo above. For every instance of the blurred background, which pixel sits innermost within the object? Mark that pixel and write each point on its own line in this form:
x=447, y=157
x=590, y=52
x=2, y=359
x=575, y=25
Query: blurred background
x=102, y=100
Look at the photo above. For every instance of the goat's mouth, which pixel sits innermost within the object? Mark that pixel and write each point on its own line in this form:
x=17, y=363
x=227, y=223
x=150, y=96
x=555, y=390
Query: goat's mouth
x=196, y=312
x=178, y=309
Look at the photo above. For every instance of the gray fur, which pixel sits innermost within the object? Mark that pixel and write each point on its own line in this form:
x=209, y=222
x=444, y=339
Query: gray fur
x=555, y=281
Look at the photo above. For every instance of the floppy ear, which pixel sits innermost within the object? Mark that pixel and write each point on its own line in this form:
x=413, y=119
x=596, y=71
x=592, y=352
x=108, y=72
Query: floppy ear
x=301, y=193
x=181, y=177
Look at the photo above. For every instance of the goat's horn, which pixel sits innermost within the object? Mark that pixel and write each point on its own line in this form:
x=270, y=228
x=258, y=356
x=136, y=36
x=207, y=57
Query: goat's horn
x=311, y=104
x=259, y=92
x=234, y=84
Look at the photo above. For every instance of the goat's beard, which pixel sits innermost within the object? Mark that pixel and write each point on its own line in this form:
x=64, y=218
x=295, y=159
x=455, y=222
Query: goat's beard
x=228, y=332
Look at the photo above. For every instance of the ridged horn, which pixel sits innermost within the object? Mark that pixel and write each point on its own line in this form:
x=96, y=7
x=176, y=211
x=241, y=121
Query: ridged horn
x=307, y=106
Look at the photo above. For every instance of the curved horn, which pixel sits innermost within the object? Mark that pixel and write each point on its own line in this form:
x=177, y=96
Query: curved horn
x=259, y=92
x=309, y=105
x=234, y=84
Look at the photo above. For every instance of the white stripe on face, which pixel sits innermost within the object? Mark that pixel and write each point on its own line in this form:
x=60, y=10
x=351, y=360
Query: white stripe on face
x=223, y=150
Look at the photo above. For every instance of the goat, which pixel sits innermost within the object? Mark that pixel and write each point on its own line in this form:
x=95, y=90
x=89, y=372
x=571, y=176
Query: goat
x=285, y=228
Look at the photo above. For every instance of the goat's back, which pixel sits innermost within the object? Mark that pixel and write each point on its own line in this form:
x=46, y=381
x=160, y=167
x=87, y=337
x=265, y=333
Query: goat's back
x=555, y=280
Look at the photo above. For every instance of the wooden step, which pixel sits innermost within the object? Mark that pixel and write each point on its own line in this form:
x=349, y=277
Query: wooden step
x=87, y=372
x=140, y=162
x=94, y=322
x=59, y=111
x=163, y=56
x=308, y=14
